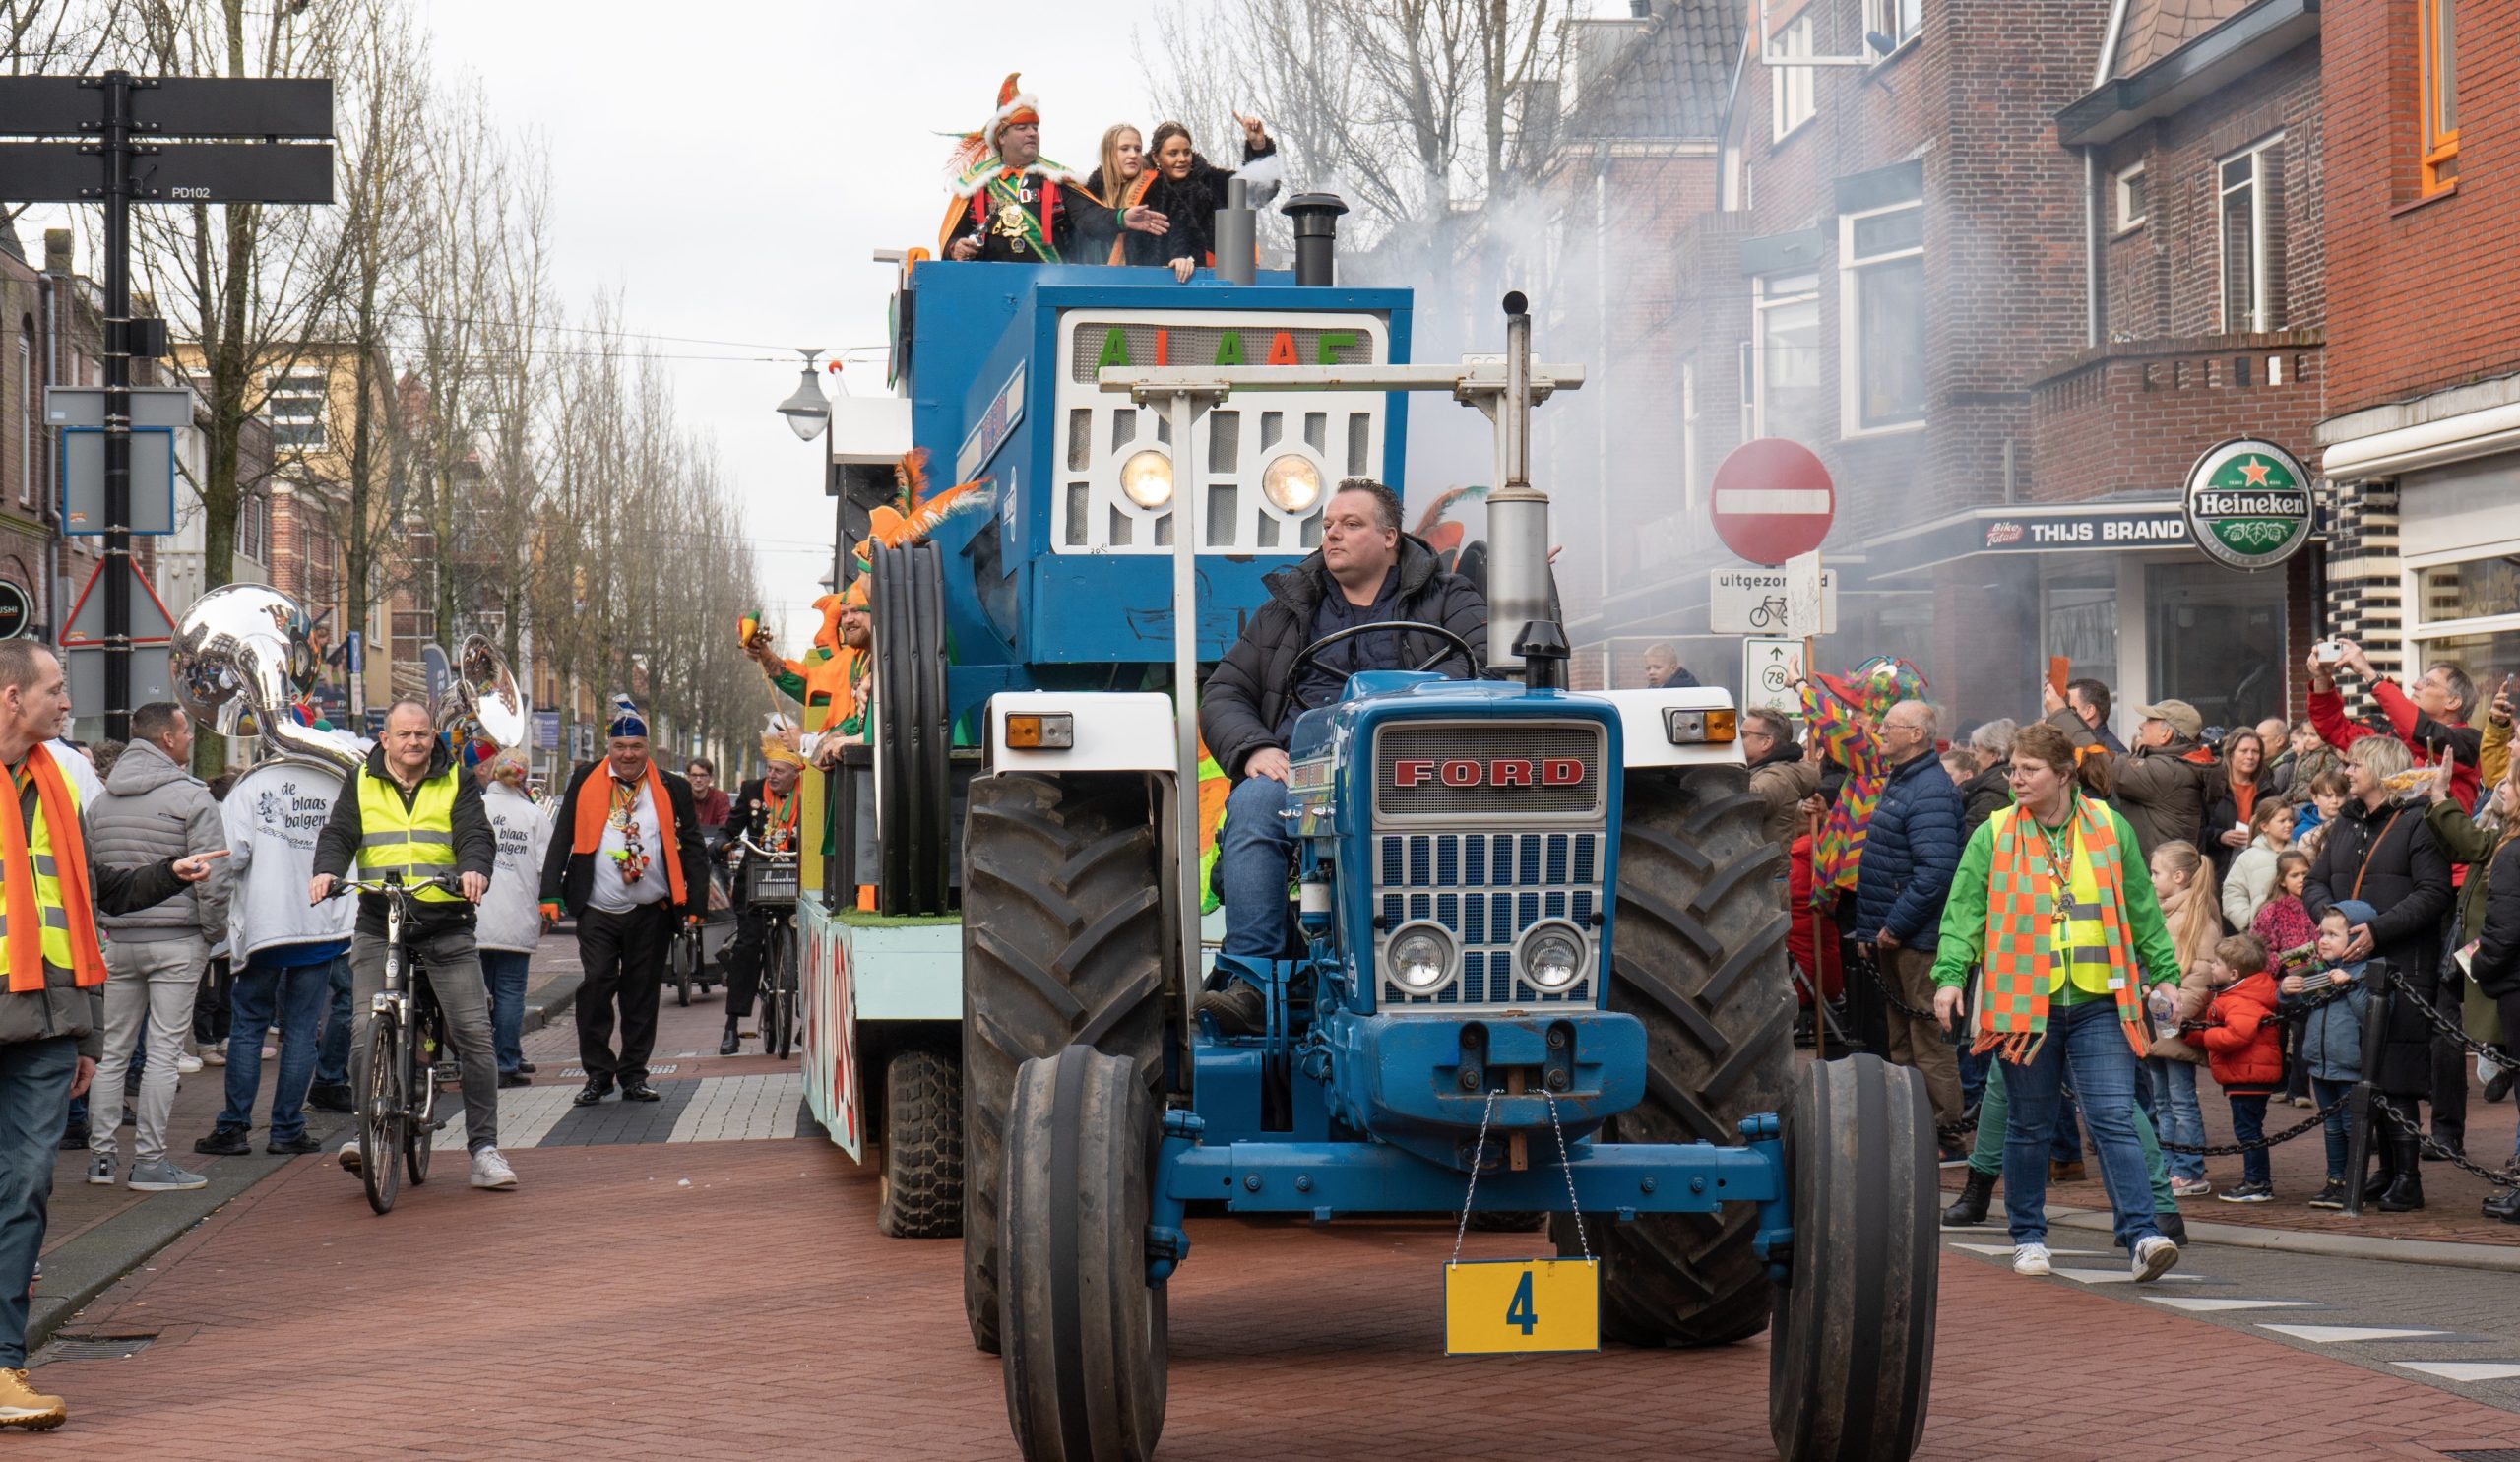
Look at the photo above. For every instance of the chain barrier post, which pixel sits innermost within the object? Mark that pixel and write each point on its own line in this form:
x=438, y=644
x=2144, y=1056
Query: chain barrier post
x=2357, y=1138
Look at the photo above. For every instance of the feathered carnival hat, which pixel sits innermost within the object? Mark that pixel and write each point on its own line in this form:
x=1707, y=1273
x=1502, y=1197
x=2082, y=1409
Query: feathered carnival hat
x=779, y=741
x=627, y=719
x=1014, y=106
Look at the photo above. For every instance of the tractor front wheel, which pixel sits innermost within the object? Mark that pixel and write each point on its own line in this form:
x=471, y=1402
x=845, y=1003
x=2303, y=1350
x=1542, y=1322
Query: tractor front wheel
x=1850, y=1360
x=1699, y=957
x=1084, y=1355
x=1062, y=944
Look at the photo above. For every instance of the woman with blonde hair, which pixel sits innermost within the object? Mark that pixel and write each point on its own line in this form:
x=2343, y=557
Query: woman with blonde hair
x=2183, y=879
x=1120, y=180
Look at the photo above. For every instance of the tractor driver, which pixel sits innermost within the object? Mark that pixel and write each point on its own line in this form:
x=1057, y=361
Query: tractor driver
x=1367, y=571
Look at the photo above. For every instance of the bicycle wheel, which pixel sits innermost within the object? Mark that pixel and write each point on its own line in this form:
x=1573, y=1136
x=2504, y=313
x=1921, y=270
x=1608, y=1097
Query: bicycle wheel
x=686, y=961
x=381, y=1117
x=778, y=1007
x=420, y=1124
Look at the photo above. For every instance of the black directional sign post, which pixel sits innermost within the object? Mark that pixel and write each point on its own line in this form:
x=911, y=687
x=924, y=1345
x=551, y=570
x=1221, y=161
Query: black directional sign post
x=117, y=159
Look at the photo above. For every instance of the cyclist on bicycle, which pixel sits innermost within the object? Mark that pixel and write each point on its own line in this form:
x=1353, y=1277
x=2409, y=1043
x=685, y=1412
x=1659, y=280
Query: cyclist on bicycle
x=765, y=813
x=409, y=809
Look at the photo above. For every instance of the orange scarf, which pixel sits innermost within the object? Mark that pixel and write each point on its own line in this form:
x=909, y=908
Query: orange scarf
x=587, y=834
x=18, y=867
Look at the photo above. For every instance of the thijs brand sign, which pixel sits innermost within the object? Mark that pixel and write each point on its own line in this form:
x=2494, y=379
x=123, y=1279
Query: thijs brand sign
x=2248, y=504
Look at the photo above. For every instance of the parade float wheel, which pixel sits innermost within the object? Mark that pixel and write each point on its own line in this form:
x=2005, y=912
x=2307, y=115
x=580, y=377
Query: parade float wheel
x=1850, y=1357
x=922, y=1174
x=1084, y=1359
x=912, y=731
x=1062, y=943
x=1699, y=958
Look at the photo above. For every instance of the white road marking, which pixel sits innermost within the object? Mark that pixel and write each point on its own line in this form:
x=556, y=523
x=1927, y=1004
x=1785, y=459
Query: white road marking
x=2341, y=1334
x=2005, y=1250
x=2211, y=1306
x=2464, y=1371
x=2123, y=1277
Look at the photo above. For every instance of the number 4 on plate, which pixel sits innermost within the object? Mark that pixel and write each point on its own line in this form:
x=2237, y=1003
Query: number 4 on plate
x=1502, y=1305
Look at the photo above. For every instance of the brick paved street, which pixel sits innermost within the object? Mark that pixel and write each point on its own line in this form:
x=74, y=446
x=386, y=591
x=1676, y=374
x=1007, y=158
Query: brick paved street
x=681, y=1290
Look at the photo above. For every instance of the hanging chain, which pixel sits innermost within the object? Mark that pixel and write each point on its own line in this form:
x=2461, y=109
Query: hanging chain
x=1478, y=1158
x=2451, y=1028
x=2234, y=1149
x=2508, y=1176
x=1566, y=1165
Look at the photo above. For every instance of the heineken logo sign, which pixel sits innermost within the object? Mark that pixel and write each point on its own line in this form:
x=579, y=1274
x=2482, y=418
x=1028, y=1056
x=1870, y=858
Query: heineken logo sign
x=2248, y=504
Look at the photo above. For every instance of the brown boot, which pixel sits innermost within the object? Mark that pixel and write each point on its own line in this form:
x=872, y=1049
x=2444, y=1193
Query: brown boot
x=22, y=1405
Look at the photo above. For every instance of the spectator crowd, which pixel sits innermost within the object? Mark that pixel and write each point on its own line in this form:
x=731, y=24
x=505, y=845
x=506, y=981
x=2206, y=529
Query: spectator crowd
x=2069, y=936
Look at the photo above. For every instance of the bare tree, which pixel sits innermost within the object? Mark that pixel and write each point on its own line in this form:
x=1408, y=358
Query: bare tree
x=51, y=38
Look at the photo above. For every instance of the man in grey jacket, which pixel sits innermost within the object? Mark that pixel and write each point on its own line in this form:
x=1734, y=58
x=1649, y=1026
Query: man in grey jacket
x=153, y=809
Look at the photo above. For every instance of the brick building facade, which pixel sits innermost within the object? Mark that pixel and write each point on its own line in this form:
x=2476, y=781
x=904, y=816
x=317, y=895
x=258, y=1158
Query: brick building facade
x=2421, y=435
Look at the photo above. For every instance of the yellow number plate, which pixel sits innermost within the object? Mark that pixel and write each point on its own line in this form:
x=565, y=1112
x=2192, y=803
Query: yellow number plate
x=1522, y=1305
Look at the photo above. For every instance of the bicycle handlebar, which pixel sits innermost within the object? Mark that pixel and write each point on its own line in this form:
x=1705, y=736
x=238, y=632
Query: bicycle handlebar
x=748, y=843
x=388, y=887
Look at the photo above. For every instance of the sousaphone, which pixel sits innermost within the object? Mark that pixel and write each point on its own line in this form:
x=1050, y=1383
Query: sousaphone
x=241, y=659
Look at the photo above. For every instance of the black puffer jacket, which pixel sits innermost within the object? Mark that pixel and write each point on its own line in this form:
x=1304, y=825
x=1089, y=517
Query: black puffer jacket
x=1986, y=794
x=1246, y=695
x=2406, y=876
x=2497, y=966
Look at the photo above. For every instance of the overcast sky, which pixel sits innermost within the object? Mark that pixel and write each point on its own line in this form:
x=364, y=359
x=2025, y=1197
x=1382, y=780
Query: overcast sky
x=729, y=168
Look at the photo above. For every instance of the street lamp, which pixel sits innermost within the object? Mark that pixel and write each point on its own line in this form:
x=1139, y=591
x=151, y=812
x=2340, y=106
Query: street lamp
x=806, y=410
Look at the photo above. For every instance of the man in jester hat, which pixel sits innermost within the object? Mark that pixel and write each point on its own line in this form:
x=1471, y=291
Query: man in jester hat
x=830, y=680
x=766, y=810
x=1013, y=206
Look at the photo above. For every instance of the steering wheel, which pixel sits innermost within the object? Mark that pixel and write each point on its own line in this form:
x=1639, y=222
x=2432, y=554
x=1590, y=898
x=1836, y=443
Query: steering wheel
x=1455, y=647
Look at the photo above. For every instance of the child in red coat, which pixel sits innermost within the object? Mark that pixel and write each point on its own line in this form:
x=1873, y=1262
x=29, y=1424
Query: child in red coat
x=2245, y=1045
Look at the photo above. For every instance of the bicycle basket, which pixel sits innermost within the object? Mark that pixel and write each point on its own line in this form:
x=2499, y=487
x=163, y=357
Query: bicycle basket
x=769, y=881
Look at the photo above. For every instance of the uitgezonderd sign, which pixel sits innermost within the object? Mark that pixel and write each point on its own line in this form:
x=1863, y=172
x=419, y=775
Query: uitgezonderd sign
x=2248, y=504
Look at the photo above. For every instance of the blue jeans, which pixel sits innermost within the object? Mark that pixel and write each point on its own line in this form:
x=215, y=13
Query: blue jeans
x=332, y=1054
x=297, y=996
x=504, y=970
x=2182, y=1120
x=2088, y=1039
x=2325, y=1093
x=1254, y=856
x=2249, y=1125
x=34, y=1098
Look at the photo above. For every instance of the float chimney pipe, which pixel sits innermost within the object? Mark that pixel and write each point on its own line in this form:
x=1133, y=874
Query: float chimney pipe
x=1517, y=513
x=1237, y=234
x=1316, y=223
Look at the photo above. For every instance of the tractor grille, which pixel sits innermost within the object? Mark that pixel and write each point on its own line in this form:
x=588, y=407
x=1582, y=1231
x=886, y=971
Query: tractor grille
x=1486, y=888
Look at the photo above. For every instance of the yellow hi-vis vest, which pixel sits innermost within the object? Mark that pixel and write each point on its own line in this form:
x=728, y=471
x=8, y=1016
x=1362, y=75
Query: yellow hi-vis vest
x=57, y=950
x=418, y=843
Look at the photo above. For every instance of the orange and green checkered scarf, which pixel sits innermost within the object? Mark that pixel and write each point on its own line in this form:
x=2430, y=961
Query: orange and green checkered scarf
x=2021, y=906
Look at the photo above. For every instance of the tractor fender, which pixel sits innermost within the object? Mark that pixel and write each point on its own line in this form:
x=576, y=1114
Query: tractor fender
x=1112, y=732
x=1643, y=730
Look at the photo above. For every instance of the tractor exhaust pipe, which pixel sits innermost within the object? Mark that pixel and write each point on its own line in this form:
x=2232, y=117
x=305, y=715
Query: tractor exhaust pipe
x=1316, y=218
x=1518, y=597
x=1237, y=234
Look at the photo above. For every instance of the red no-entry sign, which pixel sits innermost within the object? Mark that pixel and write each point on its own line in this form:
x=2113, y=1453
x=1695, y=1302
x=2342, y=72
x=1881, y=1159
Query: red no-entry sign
x=1773, y=500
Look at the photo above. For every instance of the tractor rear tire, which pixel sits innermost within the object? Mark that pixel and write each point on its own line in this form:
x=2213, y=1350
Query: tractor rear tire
x=1851, y=1360
x=1062, y=945
x=923, y=1174
x=1085, y=1357
x=1699, y=957
x=912, y=732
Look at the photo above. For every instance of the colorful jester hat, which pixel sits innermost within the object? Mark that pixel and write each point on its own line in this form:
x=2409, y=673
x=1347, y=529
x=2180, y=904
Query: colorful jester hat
x=1443, y=535
x=913, y=514
x=1844, y=715
x=626, y=719
x=974, y=162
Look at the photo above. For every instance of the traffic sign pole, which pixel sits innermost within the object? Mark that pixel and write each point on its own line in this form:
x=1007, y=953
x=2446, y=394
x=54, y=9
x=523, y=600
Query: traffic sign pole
x=117, y=85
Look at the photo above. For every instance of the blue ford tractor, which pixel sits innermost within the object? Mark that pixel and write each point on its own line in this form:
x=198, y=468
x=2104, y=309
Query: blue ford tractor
x=1540, y=970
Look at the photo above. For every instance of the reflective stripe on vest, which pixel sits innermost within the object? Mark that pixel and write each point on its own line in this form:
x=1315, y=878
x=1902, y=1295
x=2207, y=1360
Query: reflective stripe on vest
x=418, y=843
x=56, y=914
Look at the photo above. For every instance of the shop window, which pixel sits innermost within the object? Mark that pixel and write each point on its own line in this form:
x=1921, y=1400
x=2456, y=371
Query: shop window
x=1884, y=302
x=2437, y=42
x=2131, y=198
x=2468, y=612
x=2216, y=641
x=1785, y=372
x=2249, y=186
x=1792, y=97
x=2081, y=624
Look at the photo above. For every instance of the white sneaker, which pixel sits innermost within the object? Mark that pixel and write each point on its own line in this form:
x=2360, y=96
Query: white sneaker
x=490, y=1170
x=348, y=1156
x=2190, y=1188
x=2154, y=1257
x=2029, y=1259
x=209, y=1059
x=187, y=1065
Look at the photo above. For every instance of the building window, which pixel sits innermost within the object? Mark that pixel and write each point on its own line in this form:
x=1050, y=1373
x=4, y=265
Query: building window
x=27, y=443
x=296, y=406
x=2438, y=35
x=253, y=522
x=2130, y=197
x=1791, y=99
x=1688, y=435
x=1894, y=20
x=1883, y=304
x=2250, y=217
x=1785, y=371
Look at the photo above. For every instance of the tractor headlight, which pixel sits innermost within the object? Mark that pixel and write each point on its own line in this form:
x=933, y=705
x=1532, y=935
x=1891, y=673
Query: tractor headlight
x=1421, y=958
x=1292, y=483
x=1552, y=956
x=1147, y=477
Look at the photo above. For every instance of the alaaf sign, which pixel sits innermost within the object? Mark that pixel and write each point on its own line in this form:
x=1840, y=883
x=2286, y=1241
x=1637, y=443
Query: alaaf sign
x=2248, y=504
